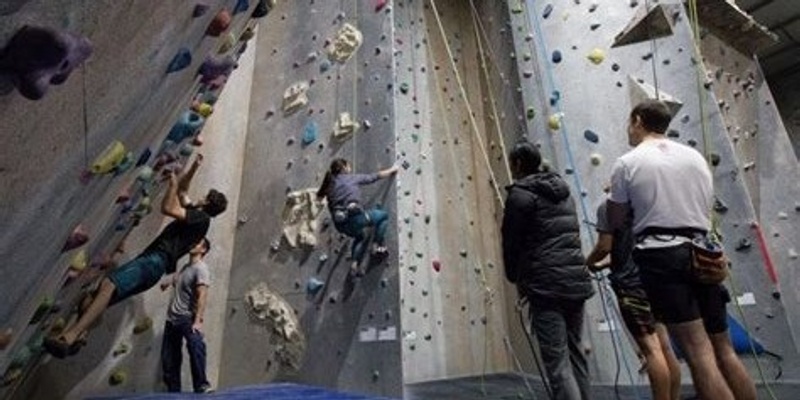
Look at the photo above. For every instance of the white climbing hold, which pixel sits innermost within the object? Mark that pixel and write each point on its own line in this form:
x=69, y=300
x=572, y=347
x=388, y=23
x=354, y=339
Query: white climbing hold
x=268, y=308
x=554, y=122
x=596, y=159
x=345, y=127
x=793, y=254
x=346, y=42
x=295, y=97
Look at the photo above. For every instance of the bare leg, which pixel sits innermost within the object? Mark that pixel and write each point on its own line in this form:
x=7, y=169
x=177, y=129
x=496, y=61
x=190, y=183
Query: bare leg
x=657, y=368
x=95, y=309
x=672, y=362
x=732, y=368
x=707, y=377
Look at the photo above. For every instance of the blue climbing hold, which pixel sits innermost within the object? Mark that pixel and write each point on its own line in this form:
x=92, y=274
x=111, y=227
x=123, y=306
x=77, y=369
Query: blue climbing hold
x=310, y=133
x=180, y=61
x=187, y=126
x=591, y=136
x=554, y=98
x=548, y=9
x=241, y=6
x=314, y=285
x=556, y=57
x=199, y=10
x=324, y=66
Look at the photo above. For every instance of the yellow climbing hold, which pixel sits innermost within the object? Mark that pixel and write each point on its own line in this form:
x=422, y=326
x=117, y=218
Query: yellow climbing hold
x=596, y=159
x=117, y=377
x=58, y=326
x=79, y=261
x=596, y=56
x=227, y=43
x=143, y=325
x=204, y=109
x=112, y=156
x=554, y=122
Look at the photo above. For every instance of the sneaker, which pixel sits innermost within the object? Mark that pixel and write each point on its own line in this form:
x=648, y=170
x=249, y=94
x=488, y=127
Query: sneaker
x=205, y=389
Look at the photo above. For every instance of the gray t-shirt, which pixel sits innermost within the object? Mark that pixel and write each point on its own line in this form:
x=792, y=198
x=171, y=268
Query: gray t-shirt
x=624, y=273
x=346, y=189
x=667, y=184
x=184, y=300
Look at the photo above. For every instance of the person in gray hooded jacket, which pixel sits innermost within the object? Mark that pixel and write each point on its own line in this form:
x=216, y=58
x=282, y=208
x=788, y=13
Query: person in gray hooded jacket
x=543, y=257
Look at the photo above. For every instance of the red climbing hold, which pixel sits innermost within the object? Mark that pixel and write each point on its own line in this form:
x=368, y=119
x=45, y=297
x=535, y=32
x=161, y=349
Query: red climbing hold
x=76, y=239
x=379, y=4
x=219, y=24
x=437, y=265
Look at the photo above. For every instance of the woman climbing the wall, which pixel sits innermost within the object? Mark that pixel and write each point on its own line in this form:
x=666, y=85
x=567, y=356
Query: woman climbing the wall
x=350, y=217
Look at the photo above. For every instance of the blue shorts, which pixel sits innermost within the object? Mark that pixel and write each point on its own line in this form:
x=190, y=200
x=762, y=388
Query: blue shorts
x=137, y=275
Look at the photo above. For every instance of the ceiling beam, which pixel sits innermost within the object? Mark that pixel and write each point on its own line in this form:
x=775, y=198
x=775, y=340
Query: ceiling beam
x=758, y=6
x=785, y=22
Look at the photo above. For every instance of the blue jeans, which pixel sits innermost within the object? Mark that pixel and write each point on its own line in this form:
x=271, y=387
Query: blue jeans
x=558, y=325
x=172, y=355
x=137, y=275
x=354, y=227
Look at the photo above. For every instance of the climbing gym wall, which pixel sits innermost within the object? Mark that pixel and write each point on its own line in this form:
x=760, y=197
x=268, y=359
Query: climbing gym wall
x=593, y=62
x=323, y=89
x=81, y=171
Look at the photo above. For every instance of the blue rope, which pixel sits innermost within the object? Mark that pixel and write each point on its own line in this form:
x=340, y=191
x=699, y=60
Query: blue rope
x=576, y=177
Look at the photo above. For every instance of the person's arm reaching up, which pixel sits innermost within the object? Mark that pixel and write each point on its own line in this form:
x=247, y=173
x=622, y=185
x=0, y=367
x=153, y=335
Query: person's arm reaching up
x=186, y=180
x=171, y=205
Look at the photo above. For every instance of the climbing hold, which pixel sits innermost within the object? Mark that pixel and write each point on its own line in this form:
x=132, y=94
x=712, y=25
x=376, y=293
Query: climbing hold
x=79, y=261
x=719, y=206
x=366, y=124
x=596, y=56
x=182, y=59
x=554, y=98
x=247, y=34
x=548, y=9
x=375, y=375
x=346, y=42
x=640, y=91
x=437, y=265
x=186, y=150
x=596, y=159
x=241, y=6
x=783, y=216
x=214, y=68
x=792, y=254
x=748, y=166
x=187, y=126
x=314, y=285
x=591, y=136
x=463, y=253
x=743, y=244
x=109, y=159
x=144, y=324
x=554, y=122
x=200, y=9
x=672, y=133
x=324, y=66
x=345, y=127
x=714, y=158
x=76, y=239
x=556, y=57
x=263, y=8
x=117, y=377
x=309, y=133
x=121, y=349
x=44, y=308
x=145, y=174
x=593, y=7
x=36, y=58
x=404, y=88
x=594, y=26
x=219, y=24
x=227, y=43
x=530, y=113
x=294, y=97
x=692, y=142
x=380, y=4
x=646, y=25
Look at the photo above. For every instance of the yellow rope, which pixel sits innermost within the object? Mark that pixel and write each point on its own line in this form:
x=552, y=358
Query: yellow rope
x=463, y=93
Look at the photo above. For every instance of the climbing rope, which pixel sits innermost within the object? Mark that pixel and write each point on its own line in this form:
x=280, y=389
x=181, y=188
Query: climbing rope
x=707, y=151
x=463, y=92
x=616, y=340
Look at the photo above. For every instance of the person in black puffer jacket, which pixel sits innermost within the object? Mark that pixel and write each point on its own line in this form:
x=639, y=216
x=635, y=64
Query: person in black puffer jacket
x=543, y=257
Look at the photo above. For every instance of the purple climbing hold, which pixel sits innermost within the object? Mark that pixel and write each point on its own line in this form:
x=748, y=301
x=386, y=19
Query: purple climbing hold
x=556, y=57
x=181, y=60
x=36, y=58
x=200, y=9
x=76, y=239
x=241, y=6
x=189, y=123
x=591, y=136
x=548, y=9
x=215, y=67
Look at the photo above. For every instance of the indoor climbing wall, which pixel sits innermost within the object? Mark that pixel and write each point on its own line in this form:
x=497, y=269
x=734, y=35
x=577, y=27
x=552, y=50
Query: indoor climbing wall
x=449, y=198
x=87, y=145
x=322, y=89
x=582, y=88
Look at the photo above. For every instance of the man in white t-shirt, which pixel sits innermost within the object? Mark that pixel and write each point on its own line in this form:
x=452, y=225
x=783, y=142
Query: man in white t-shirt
x=669, y=188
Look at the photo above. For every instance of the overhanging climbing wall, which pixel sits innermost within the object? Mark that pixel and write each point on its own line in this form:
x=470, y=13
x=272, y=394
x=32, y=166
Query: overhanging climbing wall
x=582, y=90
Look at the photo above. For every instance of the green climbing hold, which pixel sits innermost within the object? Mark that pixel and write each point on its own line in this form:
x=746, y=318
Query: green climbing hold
x=404, y=88
x=117, y=377
x=44, y=308
x=143, y=325
x=530, y=113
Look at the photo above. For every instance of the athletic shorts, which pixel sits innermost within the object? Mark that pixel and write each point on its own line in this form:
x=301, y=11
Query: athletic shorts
x=636, y=311
x=675, y=296
x=137, y=275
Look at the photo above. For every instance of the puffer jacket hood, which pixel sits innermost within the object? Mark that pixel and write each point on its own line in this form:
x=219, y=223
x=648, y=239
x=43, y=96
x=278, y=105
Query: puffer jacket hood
x=547, y=184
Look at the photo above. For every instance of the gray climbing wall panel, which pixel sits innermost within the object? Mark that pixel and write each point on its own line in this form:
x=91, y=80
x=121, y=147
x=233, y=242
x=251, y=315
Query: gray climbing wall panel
x=351, y=329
